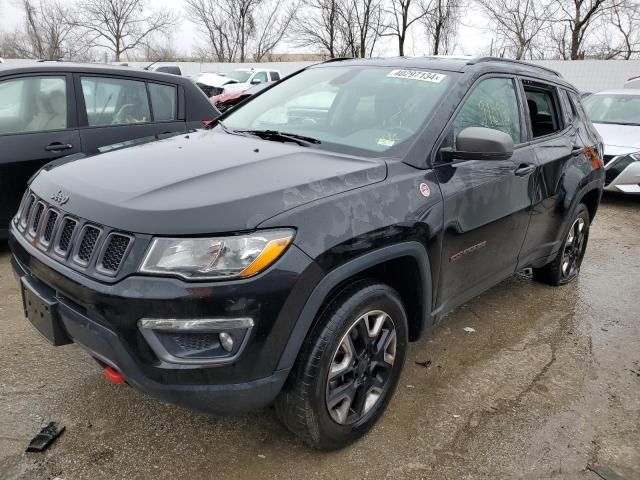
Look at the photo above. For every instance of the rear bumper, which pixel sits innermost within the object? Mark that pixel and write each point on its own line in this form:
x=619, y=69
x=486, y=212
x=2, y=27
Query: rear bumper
x=103, y=320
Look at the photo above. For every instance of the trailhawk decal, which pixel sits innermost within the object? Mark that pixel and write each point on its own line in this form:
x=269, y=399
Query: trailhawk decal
x=467, y=251
x=417, y=75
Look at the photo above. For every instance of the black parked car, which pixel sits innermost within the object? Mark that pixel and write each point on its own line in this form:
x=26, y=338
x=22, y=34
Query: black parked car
x=299, y=253
x=48, y=110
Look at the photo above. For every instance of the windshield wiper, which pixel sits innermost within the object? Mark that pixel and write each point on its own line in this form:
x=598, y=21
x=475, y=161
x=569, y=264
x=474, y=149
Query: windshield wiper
x=281, y=136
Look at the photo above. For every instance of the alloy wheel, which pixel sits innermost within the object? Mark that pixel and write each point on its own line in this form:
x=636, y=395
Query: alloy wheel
x=361, y=367
x=574, y=249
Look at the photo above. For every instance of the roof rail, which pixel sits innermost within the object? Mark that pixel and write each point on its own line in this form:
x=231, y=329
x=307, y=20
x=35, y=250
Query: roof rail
x=509, y=60
x=337, y=59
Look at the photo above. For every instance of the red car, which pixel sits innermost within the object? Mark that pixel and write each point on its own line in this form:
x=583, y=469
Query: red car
x=225, y=101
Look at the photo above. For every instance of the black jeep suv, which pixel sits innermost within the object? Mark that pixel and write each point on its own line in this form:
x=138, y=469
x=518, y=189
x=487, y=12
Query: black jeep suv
x=291, y=251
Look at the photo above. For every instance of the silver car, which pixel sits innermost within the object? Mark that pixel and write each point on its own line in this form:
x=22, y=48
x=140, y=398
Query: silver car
x=616, y=116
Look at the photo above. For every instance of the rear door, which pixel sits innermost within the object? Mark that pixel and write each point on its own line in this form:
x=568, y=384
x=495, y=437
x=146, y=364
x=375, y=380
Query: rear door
x=118, y=109
x=38, y=124
x=554, y=132
x=486, y=202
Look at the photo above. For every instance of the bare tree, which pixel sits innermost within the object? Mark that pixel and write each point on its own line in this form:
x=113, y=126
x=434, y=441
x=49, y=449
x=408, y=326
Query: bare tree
x=625, y=18
x=441, y=24
x=574, y=19
x=321, y=28
x=273, y=21
x=518, y=24
x=403, y=14
x=120, y=26
x=366, y=26
x=48, y=32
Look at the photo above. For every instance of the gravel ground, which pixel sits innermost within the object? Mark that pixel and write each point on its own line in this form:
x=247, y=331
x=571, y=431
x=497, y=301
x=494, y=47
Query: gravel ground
x=548, y=383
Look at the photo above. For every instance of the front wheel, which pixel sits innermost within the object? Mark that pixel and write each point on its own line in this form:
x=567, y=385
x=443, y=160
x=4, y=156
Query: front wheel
x=348, y=368
x=566, y=266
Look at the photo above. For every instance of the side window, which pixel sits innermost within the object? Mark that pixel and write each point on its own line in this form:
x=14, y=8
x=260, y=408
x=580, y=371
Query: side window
x=260, y=77
x=275, y=76
x=115, y=101
x=570, y=111
x=492, y=104
x=33, y=104
x=543, y=111
x=163, y=102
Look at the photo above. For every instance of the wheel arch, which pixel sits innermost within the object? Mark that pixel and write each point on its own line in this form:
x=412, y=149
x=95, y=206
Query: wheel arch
x=397, y=265
x=591, y=199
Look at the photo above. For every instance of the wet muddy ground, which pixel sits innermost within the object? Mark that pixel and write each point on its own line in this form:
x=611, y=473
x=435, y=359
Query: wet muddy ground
x=548, y=383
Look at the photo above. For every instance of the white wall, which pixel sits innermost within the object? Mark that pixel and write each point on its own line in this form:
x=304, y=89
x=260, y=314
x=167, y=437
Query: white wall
x=586, y=75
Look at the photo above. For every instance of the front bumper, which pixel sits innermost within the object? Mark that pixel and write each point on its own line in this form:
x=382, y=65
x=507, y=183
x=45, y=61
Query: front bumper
x=104, y=320
x=623, y=175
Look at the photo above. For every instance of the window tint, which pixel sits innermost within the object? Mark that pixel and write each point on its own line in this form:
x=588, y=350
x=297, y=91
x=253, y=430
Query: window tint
x=260, y=77
x=492, y=104
x=114, y=101
x=275, y=76
x=545, y=118
x=33, y=104
x=163, y=102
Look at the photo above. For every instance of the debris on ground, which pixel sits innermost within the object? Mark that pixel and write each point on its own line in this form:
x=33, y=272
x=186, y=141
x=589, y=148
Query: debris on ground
x=469, y=329
x=46, y=436
x=604, y=472
x=261, y=456
x=425, y=364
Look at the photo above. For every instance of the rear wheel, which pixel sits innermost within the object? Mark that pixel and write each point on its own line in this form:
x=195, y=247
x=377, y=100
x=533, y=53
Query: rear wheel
x=566, y=266
x=348, y=368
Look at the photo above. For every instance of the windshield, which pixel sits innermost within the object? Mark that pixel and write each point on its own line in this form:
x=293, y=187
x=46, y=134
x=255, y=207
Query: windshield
x=239, y=76
x=622, y=109
x=366, y=108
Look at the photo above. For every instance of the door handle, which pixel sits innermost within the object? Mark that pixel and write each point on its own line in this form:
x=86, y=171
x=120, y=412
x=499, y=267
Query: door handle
x=525, y=169
x=58, y=147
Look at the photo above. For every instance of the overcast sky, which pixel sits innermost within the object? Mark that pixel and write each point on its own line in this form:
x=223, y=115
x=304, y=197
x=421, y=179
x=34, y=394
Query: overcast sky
x=472, y=39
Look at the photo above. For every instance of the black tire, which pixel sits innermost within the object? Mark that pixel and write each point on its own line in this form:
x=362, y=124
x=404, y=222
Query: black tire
x=566, y=266
x=303, y=404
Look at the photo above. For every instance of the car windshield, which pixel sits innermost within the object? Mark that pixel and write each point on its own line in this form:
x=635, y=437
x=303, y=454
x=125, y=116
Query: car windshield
x=363, y=108
x=613, y=108
x=239, y=76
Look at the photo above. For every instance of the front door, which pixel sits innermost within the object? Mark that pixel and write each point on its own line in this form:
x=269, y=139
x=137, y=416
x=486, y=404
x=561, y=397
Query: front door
x=486, y=202
x=37, y=125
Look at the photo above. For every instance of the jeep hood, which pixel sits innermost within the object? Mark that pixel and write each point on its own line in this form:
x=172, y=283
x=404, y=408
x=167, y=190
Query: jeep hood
x=201, y=183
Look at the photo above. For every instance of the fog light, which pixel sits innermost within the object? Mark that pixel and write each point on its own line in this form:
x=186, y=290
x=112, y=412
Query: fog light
x=226, y=341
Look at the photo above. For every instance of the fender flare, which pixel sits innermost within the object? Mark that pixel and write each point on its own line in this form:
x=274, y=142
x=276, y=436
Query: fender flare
x=320, y=292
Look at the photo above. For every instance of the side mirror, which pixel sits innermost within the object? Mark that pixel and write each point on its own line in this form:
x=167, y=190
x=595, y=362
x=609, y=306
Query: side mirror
x=255, y=82
x=478, y=143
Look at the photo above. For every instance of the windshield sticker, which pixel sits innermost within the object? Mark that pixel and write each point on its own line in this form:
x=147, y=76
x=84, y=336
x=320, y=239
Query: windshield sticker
x=417, y=75
x=386, y=142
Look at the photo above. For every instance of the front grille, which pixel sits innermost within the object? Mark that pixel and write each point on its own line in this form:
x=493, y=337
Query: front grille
x=87, y=244
x=65, y=236
x=117, y=246
x=210, y=91
x=52, y=218
x=81, y=245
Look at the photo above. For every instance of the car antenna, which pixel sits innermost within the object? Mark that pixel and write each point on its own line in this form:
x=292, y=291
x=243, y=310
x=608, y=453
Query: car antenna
x=151, y=64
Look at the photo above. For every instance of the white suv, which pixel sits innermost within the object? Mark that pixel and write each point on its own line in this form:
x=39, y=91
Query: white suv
x=247, y=77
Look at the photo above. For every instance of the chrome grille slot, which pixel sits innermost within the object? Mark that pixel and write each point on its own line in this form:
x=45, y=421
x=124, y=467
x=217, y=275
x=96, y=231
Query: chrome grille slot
x=115, y=251
x=89, y=238
x=37, y=216
x=64, y=242
x=47, y=235
x=27, y=211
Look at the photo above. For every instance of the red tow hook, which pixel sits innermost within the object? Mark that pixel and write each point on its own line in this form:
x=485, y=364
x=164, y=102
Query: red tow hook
x=113, y=375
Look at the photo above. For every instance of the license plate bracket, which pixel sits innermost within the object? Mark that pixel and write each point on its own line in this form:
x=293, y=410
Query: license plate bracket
x=42, y=312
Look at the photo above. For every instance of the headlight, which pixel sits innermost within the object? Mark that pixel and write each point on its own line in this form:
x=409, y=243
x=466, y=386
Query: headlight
x=218, y=257
x=635, y=156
